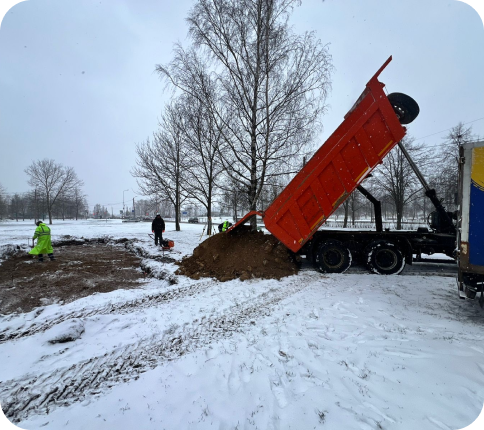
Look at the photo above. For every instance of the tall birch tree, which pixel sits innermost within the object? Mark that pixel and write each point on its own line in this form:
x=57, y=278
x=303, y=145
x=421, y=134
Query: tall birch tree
x=273, y=84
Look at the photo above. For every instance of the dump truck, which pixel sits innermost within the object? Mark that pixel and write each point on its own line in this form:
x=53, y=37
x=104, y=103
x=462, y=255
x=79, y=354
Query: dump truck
x=370, y=130
x=470, y=236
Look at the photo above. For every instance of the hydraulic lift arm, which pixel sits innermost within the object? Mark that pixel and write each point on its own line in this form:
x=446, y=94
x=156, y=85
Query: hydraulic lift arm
x=445, y=225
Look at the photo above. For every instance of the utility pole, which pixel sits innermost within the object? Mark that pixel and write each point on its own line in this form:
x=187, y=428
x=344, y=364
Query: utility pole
x=123, y=202
x=36, y=208
x=134, y=210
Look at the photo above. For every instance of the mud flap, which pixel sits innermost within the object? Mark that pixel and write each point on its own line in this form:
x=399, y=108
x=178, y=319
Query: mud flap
x=461, y=286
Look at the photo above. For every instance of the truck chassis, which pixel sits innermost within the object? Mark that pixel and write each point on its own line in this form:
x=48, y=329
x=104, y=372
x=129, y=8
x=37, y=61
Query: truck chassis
x=385, y=252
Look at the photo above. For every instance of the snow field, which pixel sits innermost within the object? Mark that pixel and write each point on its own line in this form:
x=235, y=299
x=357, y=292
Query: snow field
x=352, y=351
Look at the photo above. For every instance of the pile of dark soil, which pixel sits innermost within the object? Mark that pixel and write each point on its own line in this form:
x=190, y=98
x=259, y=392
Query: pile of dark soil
x=79, y=270
x=246, y=255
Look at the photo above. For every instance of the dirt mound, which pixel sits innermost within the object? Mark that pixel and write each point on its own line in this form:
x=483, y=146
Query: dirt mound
x=227, y=256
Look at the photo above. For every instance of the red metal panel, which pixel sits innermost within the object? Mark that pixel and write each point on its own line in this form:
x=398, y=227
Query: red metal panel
x=379, y=134
x=321, y=196
x=354, y=160
x=331, y=183
x=342, y=170
x=287, y=230
x=308, y=205
x=365, y=144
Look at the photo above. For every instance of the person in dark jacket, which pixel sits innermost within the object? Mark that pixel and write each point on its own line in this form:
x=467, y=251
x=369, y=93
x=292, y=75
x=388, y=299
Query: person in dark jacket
x=158, y=227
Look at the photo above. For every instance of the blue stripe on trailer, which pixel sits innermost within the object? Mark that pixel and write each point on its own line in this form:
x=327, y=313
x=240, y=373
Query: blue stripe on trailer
x=476, y=209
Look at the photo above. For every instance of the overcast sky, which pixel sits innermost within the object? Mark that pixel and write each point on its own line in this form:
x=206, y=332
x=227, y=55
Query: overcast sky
x=77, y=80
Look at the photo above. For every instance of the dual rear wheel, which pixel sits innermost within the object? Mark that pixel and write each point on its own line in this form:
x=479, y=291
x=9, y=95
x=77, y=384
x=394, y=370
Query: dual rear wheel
x=381, y=257
x=384, y=258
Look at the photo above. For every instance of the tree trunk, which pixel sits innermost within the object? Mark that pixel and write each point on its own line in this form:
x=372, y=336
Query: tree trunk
x=236, y=198
x=209, y=206
x=49, y=208
x=177, y=202
x=399, y=210
x=353, y=212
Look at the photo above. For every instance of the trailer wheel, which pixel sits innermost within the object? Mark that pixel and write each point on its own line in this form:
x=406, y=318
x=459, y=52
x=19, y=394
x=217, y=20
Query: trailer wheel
x=333, y=257
x=404, y=106
x=385, y=258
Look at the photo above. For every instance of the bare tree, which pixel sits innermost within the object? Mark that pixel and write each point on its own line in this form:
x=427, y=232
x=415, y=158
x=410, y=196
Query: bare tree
x=351, y=206
x=161, y=164
x=53, y=180
x=355, y=203
x=445, y=179
x=100, y=211
x=3, y=201
x=23, y=205
x=15, y=206
x=145, y=207
x=234, y=197
x=203, y=139
x=79, y=201
x=395, y=177
x=273, y=84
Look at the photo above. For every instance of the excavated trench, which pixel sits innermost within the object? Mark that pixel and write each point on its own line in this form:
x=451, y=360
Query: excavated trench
x=81, y=268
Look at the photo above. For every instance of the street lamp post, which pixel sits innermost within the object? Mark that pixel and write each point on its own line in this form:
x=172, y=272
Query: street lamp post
x=123, y=201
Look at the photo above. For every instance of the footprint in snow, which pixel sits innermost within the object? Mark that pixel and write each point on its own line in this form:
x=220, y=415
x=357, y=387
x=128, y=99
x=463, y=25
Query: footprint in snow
x=279, y=392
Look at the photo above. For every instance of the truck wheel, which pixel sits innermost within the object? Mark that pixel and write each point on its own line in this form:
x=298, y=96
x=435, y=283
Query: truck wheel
x=404, y=106
x=385, y=258
x=333, y=257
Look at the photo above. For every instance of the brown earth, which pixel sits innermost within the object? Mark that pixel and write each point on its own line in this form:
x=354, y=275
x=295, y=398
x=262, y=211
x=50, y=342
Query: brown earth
x=84, y=268
x=246, y=255
x=77, y=271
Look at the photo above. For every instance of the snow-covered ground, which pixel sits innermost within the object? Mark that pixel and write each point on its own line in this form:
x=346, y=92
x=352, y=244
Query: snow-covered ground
x=352, y=351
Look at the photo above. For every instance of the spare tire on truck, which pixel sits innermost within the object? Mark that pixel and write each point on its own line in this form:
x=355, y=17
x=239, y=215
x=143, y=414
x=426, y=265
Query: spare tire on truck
x=385, y=258
x=404, y=107
x=333, y=257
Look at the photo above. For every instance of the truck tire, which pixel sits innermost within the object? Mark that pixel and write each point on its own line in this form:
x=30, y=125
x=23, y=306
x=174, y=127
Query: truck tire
x=385, y=258
x=333, y=257
x=404, y=106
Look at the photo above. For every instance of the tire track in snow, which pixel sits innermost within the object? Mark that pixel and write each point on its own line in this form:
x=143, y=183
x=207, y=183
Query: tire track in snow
x=63, y=386
x=151, y=300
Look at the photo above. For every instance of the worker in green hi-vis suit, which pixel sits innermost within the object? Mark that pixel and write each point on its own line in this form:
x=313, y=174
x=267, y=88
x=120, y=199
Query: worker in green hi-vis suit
x=44, y=244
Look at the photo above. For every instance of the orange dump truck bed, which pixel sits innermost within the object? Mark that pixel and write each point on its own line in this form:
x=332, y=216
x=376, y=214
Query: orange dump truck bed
x=369, y=131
